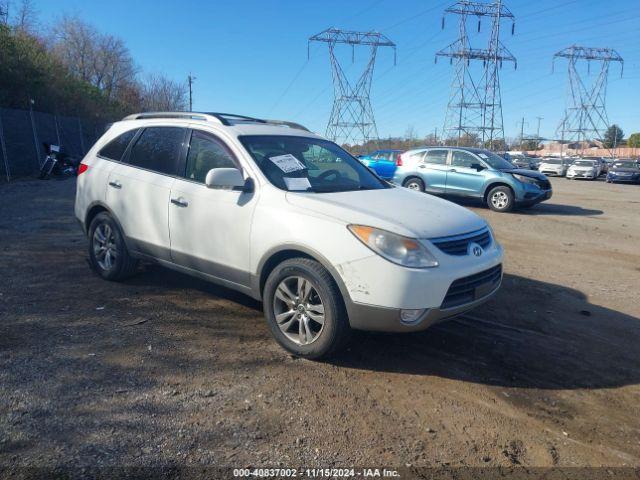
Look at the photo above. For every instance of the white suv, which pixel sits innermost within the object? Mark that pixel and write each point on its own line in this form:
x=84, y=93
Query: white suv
x=285, y=216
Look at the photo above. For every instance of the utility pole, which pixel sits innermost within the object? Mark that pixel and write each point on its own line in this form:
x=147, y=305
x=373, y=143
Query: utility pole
x=522, y=122
x=190, y=80
x=352, y=121
x=474, y=110
x=585, y=116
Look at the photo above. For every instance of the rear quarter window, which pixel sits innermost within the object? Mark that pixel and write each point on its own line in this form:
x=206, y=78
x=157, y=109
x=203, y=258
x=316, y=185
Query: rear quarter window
x=116, y=147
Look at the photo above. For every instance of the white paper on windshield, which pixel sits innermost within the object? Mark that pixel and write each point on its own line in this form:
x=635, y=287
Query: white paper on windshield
x=297, y=183
x=483, y=156
x=287, y=163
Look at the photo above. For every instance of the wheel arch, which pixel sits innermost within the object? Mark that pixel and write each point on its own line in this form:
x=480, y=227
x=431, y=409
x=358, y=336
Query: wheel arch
x=493, y=185
x=96, y=208
x=277, y=255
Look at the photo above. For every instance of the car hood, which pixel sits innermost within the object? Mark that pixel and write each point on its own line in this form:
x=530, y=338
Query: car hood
x=526, y=173
x=396, y=209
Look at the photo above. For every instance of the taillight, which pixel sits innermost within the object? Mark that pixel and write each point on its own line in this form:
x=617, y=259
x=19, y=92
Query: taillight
x=399, y=160
x=83, y=167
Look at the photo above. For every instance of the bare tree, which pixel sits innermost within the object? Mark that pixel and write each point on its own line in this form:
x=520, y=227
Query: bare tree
x=104, y=61
x=26, y=17
x=163, y=94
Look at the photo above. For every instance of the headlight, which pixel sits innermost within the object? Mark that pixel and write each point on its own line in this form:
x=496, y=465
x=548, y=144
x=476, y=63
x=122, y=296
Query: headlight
x=524, y=179
x=404, y=251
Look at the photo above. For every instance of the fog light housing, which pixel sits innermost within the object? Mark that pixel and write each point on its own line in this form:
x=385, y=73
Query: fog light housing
x=411, y=316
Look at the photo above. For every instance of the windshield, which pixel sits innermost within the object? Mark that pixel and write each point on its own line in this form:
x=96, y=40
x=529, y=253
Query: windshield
x=307, y=164
x=552, y=161
x=495, y=161
x=625, y=165
x=584, y=163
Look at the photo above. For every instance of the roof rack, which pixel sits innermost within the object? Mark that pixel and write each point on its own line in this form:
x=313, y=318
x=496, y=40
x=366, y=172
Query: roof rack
x=226, y=119
x=182, y=115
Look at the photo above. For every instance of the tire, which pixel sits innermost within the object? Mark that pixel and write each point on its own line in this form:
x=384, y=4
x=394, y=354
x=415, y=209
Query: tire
x=293, y=323
x=116, y=264
x=414, y=183
x=501, y=199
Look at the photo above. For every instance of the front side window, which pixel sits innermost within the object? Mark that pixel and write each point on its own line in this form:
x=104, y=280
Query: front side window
x=436, y=157
x=309, y=164
x=205, y=153
x=158, y=149
x=116, y=147
x=463, y=159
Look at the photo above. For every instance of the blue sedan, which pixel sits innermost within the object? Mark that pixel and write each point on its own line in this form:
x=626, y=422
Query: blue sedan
x=383, y=162
x=624, y=171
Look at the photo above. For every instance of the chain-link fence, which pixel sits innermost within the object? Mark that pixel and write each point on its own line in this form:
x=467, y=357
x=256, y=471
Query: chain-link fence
x=23, y=132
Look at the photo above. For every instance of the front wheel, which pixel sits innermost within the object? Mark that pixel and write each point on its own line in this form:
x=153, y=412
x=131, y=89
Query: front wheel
x=415, y=184
x=501, y=199
x=304, y=309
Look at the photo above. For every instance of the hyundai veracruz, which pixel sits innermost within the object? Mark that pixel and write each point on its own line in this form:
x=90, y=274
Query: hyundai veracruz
x=285, y=216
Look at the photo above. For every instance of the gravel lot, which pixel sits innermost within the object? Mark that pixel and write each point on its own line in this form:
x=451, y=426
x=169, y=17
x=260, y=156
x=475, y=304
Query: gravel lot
x=165, y=370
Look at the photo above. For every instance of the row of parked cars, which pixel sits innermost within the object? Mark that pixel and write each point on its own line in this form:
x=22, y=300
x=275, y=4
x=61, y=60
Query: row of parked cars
x=503, y=182
x=462, y=172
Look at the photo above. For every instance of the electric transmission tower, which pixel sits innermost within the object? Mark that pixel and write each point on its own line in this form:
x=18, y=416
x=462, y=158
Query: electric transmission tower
x=585, y=116
x=352, y=121
x=474, y=110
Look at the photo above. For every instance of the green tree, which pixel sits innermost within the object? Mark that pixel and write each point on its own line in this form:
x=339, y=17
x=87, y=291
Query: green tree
x=613, y=136
x=634, y=140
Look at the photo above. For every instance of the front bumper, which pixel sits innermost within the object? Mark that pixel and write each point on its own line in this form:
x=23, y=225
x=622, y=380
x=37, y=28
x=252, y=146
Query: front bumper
x=625, y=179
x=379, y=290
x=380, y=319
x=589, y=175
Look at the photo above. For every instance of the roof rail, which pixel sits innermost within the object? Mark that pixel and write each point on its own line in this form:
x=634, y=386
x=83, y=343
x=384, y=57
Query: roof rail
x=220, y=118
x=182, y=115
x=288, y=124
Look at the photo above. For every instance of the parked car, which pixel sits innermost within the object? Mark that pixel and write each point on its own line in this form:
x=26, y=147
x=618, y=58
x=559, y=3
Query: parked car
x=582, y=168
x=383, y=162
x=520, y=160
x=472, y=172
x=600, y=163
x=627, y=171
x=286, y=217
x=553, y=166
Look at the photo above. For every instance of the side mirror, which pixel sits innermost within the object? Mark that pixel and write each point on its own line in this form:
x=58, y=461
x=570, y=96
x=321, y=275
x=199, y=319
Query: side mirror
x=478, y=166
x=225, y=178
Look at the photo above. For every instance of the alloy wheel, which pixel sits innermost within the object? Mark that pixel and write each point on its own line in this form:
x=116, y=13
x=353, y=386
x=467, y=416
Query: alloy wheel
x=299, y=310
x=104, y=246
x=500, y=200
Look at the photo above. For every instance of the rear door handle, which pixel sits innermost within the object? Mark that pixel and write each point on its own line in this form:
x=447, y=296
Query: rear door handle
x=115, y=184
x=422, y=166
x=181, y=202
x=453, y=170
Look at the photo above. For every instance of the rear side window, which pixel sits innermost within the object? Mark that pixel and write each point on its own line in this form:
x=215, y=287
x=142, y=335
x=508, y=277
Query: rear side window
x=158, y=149
x=205, y=153
x=116, y=147
x=436, y=157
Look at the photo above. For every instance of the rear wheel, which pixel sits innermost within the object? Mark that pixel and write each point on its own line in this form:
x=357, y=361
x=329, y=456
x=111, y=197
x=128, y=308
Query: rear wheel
x=501, y=199
x=304, y=309
x=414, y=183
x=108, y=252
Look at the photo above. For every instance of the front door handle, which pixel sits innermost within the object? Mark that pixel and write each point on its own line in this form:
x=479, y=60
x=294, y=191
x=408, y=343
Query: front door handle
x=453, y=170
x=115, y=184
x=181, y=202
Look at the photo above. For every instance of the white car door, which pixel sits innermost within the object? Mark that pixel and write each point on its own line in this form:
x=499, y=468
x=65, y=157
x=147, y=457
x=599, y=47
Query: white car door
x=210, y=227
x=139, y=189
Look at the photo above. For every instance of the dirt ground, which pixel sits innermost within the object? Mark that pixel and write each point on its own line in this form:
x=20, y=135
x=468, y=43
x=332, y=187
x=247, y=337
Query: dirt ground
x=166, y=370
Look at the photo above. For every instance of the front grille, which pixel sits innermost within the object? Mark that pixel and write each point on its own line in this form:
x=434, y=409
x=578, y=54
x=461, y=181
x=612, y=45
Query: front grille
x=474, y=287
x=459, y=244
x=544, y=184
